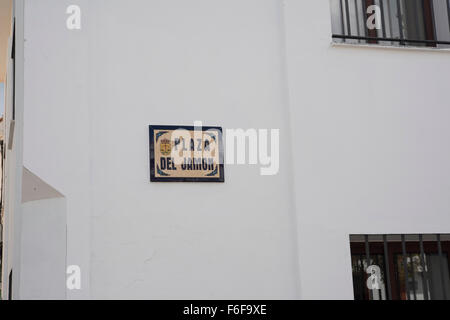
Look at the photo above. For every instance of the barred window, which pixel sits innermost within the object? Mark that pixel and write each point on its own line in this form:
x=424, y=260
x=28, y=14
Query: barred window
x=424, y=23
x=401, y=267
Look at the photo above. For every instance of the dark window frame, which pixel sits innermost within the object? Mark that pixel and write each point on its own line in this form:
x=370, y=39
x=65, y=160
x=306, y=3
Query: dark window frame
x=395, y=248
x=371, y=36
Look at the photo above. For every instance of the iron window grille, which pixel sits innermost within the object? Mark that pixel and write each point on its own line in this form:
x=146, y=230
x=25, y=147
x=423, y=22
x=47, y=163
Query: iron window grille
x=423, y=23
x=412, y=266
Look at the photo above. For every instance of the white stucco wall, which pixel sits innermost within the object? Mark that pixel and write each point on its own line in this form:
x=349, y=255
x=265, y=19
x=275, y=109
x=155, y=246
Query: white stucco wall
x=370, y=141
x=364, y=144
x=57, y=145
x=92, y=94
x=43, y=242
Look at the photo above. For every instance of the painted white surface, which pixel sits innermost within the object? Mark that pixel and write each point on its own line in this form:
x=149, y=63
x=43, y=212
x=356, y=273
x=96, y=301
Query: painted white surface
x=43, y=262
x=92, y=94
x=371, y=144
x=364, y=140
x=58, y=127
x=34, y=188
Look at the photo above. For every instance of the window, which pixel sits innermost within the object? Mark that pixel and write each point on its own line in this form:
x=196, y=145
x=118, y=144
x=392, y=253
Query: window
x=400, y=267
x=391, y=22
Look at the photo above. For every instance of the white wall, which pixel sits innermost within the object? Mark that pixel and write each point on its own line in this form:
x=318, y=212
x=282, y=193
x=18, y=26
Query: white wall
x=370, y=141
x=43, y=262
x=90, y=96
x=366, y=129
x=57, y=145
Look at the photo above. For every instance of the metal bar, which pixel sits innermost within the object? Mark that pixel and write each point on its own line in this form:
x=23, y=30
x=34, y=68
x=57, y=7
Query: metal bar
x=424, y=270
x=339, y=36
x=427, y=8
x=366, y=239
x=342, y=17
x=362, y=276
x=448, y=13
x=383, y=27
x=418, y=7
x=347, y=17
x=441, y=266
x=387, y=271
x=391, y=23
x=400, y=24
x=357, y=19
x=364, y=16
x=377, y=262
x=430, y=272
x=433, y=19
x=413, y=277
x=405, y=267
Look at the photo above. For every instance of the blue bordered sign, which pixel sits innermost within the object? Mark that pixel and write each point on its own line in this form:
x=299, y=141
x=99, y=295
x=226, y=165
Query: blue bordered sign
x=186, y=154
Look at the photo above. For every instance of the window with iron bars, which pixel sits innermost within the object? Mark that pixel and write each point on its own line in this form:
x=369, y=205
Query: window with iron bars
x=401, y=267
x=417, y=23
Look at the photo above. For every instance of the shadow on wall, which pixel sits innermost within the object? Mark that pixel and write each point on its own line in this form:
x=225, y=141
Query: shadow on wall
x=43, y=243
